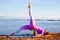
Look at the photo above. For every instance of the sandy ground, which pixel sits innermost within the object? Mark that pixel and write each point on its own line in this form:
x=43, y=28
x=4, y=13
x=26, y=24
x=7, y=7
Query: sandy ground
x=54, y=36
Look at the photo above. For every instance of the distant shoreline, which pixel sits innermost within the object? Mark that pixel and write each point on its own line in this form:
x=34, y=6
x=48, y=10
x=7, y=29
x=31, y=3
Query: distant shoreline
x=35, y=19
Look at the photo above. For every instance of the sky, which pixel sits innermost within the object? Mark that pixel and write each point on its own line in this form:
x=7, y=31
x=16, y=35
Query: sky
x=41, y=9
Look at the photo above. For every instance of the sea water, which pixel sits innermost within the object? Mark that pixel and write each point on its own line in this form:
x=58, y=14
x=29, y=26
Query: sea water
x=8, y=26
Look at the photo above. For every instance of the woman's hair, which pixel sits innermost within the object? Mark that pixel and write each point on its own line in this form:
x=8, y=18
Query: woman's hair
x=46, y=32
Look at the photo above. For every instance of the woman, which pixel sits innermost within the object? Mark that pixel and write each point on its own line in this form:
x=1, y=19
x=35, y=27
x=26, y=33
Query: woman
x=38, y=31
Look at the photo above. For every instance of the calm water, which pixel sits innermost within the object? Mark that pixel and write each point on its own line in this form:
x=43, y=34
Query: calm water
x=9, y=26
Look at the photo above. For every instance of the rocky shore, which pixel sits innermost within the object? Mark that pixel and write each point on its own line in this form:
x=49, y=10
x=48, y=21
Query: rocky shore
x=53, y=36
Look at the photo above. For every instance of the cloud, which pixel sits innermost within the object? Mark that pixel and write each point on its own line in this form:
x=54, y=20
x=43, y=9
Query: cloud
x=0, y=14
x=9, y=0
